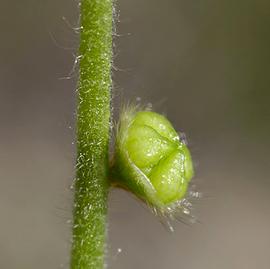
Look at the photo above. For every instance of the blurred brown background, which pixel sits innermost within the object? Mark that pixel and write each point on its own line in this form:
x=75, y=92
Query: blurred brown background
x=205, y=64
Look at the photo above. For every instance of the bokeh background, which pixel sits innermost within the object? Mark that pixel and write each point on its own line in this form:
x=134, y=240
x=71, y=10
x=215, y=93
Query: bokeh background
x=205, y=64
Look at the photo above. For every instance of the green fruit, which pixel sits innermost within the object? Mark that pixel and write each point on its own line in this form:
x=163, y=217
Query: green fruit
x=150, y=160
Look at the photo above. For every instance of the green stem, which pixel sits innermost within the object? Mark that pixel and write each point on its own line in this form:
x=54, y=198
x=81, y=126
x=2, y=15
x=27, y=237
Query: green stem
x=93, y=123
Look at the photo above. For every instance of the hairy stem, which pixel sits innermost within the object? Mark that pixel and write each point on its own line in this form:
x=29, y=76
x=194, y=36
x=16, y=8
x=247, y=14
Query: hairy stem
x=93, y=123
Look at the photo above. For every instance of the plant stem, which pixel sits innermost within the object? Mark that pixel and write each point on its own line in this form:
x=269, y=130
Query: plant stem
x=93, y=124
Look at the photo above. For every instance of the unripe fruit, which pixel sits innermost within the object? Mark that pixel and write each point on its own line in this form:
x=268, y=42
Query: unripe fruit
x=150, y=160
